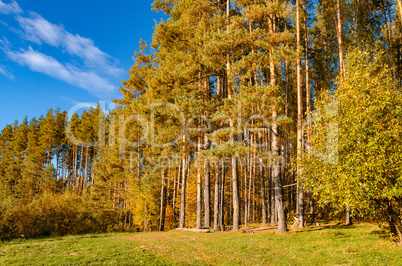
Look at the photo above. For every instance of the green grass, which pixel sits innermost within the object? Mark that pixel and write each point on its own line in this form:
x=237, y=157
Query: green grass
x=363, y=244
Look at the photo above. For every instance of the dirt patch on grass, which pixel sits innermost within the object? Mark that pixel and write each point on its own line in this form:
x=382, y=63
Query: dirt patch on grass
x=143, y=248
x=148, y=236
x=75, y=253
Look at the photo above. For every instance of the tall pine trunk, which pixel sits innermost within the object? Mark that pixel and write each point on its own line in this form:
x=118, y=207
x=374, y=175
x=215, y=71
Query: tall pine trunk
x=338, y=24
x=207, y=212
x=222, y=200
x=236, y=208
x=176, y=185
x=263, y=207
x=163, y=201
x=216, y=196
x=228, y=87
x=272, y=197
x=300, y=204
x=278, y=187
x=183, y=193
x=199, y=204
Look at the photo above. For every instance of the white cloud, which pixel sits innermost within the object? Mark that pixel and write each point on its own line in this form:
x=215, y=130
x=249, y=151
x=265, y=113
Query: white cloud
x=94, y=69
x=48, y=65
x=6, y=73
x=38, y=30
x=12, y=8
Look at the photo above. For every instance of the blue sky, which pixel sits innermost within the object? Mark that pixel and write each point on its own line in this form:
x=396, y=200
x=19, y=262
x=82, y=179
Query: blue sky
x=60, y=53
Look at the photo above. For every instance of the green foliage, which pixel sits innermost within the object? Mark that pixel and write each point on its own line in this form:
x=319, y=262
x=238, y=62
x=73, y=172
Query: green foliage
x=367, y=173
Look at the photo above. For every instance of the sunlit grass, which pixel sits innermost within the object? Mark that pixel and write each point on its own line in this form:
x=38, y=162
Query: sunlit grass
x=359, y=244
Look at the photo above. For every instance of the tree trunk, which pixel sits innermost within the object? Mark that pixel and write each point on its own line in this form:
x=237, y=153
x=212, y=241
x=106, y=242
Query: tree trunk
x=245, y=195
x=394, y=220
x=199, y=205
x=183, y=194
x=253, y=191
x=348, y=220
x=163, y=202
x=145, y=217
x=229, y=90
x=273, y=212
x=279, y=204
x=207, y=212
x=299, y=118
x=400, y=9
x=269, y=192
x=278, y=189
x=312, y=207
x=236, y=208
x=338, y=24
x=249, y=189
x=263, y=207
x=216, y=197
x=75, y=152
x=86, y=169
x=175, y=192
x=222, y=201
x=80, y=170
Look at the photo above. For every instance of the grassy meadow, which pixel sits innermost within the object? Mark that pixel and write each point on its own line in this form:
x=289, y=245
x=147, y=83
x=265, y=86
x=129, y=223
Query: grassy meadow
x=361, y=244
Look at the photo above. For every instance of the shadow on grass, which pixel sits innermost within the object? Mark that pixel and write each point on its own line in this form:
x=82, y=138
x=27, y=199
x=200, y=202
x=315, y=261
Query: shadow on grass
x=379, y=232
x=327, y=226
x=382, y=234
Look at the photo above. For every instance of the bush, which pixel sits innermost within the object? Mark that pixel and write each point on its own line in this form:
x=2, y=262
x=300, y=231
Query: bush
x=53, y=215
